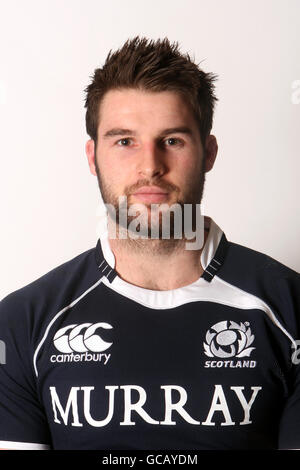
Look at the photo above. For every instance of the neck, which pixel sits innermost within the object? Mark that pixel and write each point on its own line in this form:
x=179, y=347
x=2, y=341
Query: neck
x=156, y=264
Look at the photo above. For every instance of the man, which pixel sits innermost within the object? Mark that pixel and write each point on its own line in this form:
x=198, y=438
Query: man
x=141, y=342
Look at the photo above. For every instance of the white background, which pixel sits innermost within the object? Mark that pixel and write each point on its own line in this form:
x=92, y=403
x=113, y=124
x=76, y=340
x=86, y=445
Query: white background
x=49, y=50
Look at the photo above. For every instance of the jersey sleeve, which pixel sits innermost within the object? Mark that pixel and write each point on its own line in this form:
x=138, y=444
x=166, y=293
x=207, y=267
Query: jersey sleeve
x=289, y=428
x=23, y=423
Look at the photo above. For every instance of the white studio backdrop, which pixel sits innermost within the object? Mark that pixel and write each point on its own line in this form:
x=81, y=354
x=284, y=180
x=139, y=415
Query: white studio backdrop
x=49, y=50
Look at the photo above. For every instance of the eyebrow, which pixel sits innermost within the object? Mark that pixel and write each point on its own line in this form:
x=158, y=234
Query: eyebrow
x=171, y=130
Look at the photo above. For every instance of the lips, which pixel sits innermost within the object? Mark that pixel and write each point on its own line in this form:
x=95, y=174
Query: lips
x=150, y=190
x=151, y=194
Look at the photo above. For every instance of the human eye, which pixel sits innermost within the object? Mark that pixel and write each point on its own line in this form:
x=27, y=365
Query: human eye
x=123, y=142
x=173, y=141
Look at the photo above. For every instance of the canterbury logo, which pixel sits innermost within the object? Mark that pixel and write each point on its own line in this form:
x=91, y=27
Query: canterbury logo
x=81, y=338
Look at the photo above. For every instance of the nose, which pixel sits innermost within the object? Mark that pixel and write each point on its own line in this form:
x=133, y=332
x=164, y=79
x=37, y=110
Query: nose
x=150, y=161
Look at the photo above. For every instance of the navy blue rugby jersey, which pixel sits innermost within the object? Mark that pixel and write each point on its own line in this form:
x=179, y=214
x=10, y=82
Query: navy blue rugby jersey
x=93, y=362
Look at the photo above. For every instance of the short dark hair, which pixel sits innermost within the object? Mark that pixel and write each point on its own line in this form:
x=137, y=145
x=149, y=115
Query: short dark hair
x=153, y=66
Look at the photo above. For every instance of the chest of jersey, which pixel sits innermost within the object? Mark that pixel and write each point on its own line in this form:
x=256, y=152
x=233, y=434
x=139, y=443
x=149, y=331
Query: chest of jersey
x=115, y=374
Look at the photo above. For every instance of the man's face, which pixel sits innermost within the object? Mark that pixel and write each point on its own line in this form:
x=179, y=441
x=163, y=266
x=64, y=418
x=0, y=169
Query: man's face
x=149, y=149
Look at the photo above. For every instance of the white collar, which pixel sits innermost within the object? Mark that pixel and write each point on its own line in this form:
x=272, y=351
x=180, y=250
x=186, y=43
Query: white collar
x=162, y=299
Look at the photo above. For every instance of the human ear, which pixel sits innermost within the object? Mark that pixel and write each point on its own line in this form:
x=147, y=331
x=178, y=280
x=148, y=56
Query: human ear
x=211, y=150
x=90, y=153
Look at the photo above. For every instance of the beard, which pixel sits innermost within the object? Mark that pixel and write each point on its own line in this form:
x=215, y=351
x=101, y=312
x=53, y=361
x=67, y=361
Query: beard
x=152, y=220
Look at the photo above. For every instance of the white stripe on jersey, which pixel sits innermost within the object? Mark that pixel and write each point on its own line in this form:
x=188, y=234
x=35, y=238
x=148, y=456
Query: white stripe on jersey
x=218, y=291
x=58, y=315
x=11, y=445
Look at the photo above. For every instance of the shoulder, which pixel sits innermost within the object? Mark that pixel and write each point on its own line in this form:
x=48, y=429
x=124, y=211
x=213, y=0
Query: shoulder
x=52, y=290
x=266, y=278
x=245, y=263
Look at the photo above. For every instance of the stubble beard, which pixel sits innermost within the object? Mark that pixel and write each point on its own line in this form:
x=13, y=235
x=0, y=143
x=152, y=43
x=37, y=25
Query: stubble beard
x=146, y=244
